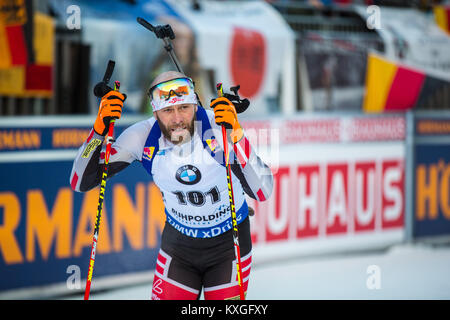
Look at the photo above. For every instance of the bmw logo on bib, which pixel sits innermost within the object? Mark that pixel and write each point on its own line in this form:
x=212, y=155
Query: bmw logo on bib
x=188, y=175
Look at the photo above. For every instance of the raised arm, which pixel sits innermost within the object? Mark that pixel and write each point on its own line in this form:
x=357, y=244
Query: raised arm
x=88, y=164
x=255, y=176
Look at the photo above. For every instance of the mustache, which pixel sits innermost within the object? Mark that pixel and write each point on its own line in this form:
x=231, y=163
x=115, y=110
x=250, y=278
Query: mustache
x=180, y=125
x=169, y=130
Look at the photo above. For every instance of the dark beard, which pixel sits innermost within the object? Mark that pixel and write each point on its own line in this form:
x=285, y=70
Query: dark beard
x=167, y=133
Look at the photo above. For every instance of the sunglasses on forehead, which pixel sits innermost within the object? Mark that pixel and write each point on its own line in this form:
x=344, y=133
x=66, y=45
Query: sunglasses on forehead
x=175, y=87
x=172, y=92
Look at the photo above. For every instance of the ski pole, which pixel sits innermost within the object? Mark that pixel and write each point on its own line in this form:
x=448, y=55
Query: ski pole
x=99, y=90
x=166, y=34
x=237, y=250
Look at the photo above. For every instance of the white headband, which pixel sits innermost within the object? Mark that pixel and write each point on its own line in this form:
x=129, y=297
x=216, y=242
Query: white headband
x=172, y=92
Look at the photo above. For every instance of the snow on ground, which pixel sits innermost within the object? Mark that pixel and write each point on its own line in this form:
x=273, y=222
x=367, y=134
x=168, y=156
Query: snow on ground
x=402, y=272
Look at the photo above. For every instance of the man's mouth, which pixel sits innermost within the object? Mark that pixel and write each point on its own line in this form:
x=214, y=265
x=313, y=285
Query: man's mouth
x=178, y=129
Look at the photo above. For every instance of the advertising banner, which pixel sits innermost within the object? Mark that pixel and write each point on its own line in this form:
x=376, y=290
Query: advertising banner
x=46, y=229
x=432, y=176
x=338, y=186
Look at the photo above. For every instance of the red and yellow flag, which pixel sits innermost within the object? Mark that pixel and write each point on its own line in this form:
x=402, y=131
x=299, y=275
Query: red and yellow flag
x=442, y=17
x=390, y=86
x=26, y=52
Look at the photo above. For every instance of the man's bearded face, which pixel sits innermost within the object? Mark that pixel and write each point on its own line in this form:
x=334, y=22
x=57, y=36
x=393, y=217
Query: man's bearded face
x=177, y=123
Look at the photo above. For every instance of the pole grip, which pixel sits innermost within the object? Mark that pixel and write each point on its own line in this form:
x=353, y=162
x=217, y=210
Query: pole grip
x=145, y=24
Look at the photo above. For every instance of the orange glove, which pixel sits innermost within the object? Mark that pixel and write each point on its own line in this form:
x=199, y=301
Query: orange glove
x=110, y=108
x=225, y=114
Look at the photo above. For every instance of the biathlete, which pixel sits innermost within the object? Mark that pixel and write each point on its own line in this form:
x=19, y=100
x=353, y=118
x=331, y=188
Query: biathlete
x=181, y=147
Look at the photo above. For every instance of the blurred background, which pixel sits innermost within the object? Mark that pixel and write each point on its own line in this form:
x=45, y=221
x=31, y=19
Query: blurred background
x=350, y=105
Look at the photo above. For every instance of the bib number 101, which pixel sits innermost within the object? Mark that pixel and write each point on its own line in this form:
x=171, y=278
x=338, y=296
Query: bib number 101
x=197, y=198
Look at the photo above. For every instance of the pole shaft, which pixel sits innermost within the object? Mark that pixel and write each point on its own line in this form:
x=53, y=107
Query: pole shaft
x=109, y=140
x=237, y=250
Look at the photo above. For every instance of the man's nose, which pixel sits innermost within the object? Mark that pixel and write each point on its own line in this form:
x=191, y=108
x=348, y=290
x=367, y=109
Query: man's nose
x=177, y=116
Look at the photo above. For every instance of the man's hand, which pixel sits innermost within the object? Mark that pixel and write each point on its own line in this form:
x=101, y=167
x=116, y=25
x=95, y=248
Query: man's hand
x=225, y=114
x=110, y=108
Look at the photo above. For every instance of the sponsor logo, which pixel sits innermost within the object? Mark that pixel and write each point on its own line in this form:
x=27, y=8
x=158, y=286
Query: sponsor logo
x=156, y=286
x=188, y=174
x=174, y=100
x=148, y=153
x=206, y=219
x=212, y=143
x=90, y=147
